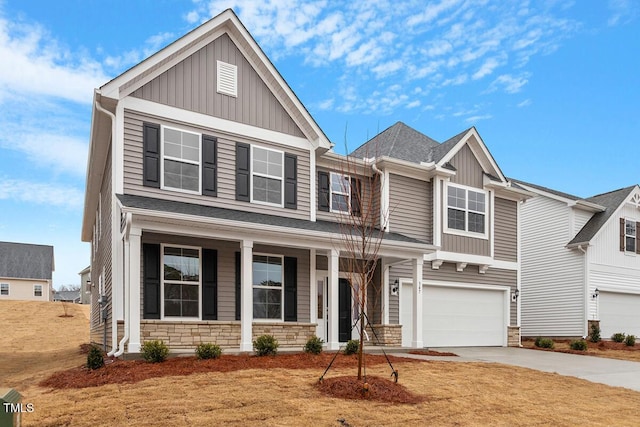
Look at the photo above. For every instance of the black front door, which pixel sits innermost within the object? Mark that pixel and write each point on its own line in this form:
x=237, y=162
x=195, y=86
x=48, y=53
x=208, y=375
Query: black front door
x=344, y=310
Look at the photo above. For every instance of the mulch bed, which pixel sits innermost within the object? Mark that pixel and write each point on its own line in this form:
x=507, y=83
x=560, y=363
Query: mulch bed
x=374, y=388
x=133, y=371
x=601, y=345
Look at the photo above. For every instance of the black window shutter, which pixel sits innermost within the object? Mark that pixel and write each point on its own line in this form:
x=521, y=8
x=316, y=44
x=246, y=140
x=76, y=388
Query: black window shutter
x=290, y=289
x=356, y=197
x=638, y=237
x=151, y=160
x=151, y=281
x=323, y=191
x=243, y=173
x=622, y=234
x=209, y=165
x=238, y=283
x=290, y=181
x=209, y=284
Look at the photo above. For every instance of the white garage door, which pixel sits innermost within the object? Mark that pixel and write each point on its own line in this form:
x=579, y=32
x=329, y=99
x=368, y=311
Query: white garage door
x=457, y=316
x=619, y=313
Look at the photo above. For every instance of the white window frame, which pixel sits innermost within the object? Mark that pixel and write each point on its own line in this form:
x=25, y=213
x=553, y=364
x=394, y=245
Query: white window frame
x=36, y=286
x=270, y=287
x=635, y=241
x=466, y=231
x=281, y=177
x=163, y=157
x=162, y=282
x=2, y=291
x=342, y=193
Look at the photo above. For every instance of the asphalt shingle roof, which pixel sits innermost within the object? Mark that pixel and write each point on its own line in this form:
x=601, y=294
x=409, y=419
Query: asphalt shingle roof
x=611, y=200
x=26, y=261
x=148, y=203
x=547, y=190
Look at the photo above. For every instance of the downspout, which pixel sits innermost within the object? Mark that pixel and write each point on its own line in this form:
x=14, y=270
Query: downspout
x=586, y=292
x=114, y=319
x=384, y=220
x=127, y=307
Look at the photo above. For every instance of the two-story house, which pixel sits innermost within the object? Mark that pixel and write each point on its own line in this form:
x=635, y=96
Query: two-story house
x=26, y=271
x=580, y=263
x=216, y=209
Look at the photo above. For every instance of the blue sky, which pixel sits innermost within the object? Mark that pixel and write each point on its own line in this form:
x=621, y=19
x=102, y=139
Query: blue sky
x=553, y=87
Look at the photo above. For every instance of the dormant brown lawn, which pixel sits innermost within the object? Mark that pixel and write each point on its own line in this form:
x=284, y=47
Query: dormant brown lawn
x=455, y=393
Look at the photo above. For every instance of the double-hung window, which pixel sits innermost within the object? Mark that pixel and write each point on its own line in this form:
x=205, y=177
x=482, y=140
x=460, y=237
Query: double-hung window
x=466, y=210
x=181, y=282
x=340, y=193
x=267, y=176
x=267, y=287
x=4, y=289
x=181, y=160
x=37, y=290
x=630, y=236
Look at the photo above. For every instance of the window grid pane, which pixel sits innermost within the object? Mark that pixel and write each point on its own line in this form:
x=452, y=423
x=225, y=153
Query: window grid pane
x=267, y=287
x=181, y=160
x=181, y=282
x=456, y=219
x=267, y=176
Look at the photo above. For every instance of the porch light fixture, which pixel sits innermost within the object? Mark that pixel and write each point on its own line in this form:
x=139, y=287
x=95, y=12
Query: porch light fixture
x=515, y=295
x=596, y=294
x=394, y=288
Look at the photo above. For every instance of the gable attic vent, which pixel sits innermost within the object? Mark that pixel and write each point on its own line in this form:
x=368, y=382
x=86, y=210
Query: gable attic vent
x=227, y=79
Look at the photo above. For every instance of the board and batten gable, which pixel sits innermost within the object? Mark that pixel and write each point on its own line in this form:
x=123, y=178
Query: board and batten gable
x=410, y=207
x=191, y=85
x=553, y=294
x=226, y=173
x=469, y=173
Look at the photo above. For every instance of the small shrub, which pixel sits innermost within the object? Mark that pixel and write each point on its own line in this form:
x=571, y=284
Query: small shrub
x=313, y=345
x=155, y=351
x=618, y=337
x=352, y=347
x=630, y=340
x=208, y=351
x=266, y=345
x=544, y=342
x=95, y=358
x=595, y=332
x=580, y=345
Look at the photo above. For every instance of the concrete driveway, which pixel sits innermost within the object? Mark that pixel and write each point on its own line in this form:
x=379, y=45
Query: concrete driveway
x=617, y=373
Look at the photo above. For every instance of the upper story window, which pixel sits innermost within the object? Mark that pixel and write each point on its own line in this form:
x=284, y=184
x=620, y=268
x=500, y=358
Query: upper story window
x=37, y=290
x=181, y=160
x=4, y=289
x=340, y=193
x=267, y=174
x=268, y=292
x=630, y=243
x=181, y=282
x=466, y=211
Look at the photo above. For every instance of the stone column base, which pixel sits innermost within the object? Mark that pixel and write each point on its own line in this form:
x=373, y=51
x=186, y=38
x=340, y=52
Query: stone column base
x=387, y=335
x=513, y=336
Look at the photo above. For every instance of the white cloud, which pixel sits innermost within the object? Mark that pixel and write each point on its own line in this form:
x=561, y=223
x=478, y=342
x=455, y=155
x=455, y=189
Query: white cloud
x=49, y=194
x=413, y=104
x=475, y=119
x=509, y=83
x=431, y=12
x=622, y=11
x=524, y=103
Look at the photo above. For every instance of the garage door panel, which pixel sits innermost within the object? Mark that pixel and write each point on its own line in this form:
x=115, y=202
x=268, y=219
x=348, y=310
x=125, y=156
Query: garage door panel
x=619, y=312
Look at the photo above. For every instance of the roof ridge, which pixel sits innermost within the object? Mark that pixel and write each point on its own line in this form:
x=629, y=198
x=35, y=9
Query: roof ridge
x=612, y=191
x=394, y=139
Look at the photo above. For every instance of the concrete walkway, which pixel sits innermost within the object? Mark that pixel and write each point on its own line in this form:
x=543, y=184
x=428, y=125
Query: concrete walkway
x=617, y=373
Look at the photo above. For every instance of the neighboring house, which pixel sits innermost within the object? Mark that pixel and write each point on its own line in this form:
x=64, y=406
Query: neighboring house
x=214, y=205
x=67, y=296
x=580, y=263
x=26, y=271
x=85, y=286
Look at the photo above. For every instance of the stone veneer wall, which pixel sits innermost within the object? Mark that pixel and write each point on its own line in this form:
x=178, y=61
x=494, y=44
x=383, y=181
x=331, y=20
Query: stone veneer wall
x=513, y=336
x=182, y=335
x=387, y=335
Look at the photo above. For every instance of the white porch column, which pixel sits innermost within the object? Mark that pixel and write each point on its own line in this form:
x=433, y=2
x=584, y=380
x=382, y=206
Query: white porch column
x=134, y=290
x=313, y=291
x=246, y=295
x=416, y=340
x=385, y=293
x=333, y=332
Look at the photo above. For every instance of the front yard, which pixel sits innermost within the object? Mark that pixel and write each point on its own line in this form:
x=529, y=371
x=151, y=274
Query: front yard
x=454, y=393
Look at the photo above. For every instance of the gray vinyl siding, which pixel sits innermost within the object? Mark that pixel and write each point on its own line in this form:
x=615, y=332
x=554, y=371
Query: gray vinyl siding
x=370, y=199
x=411, y=207
x=506, y=230
x=465, y=245
x=133, y=183
x=103, y=260
x=468, y=170
x=227, y=275
x=191, y=85
x=448, y=273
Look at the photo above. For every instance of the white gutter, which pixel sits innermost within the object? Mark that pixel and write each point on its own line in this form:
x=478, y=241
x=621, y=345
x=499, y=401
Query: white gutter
x=384, y=199
x=127, y=307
